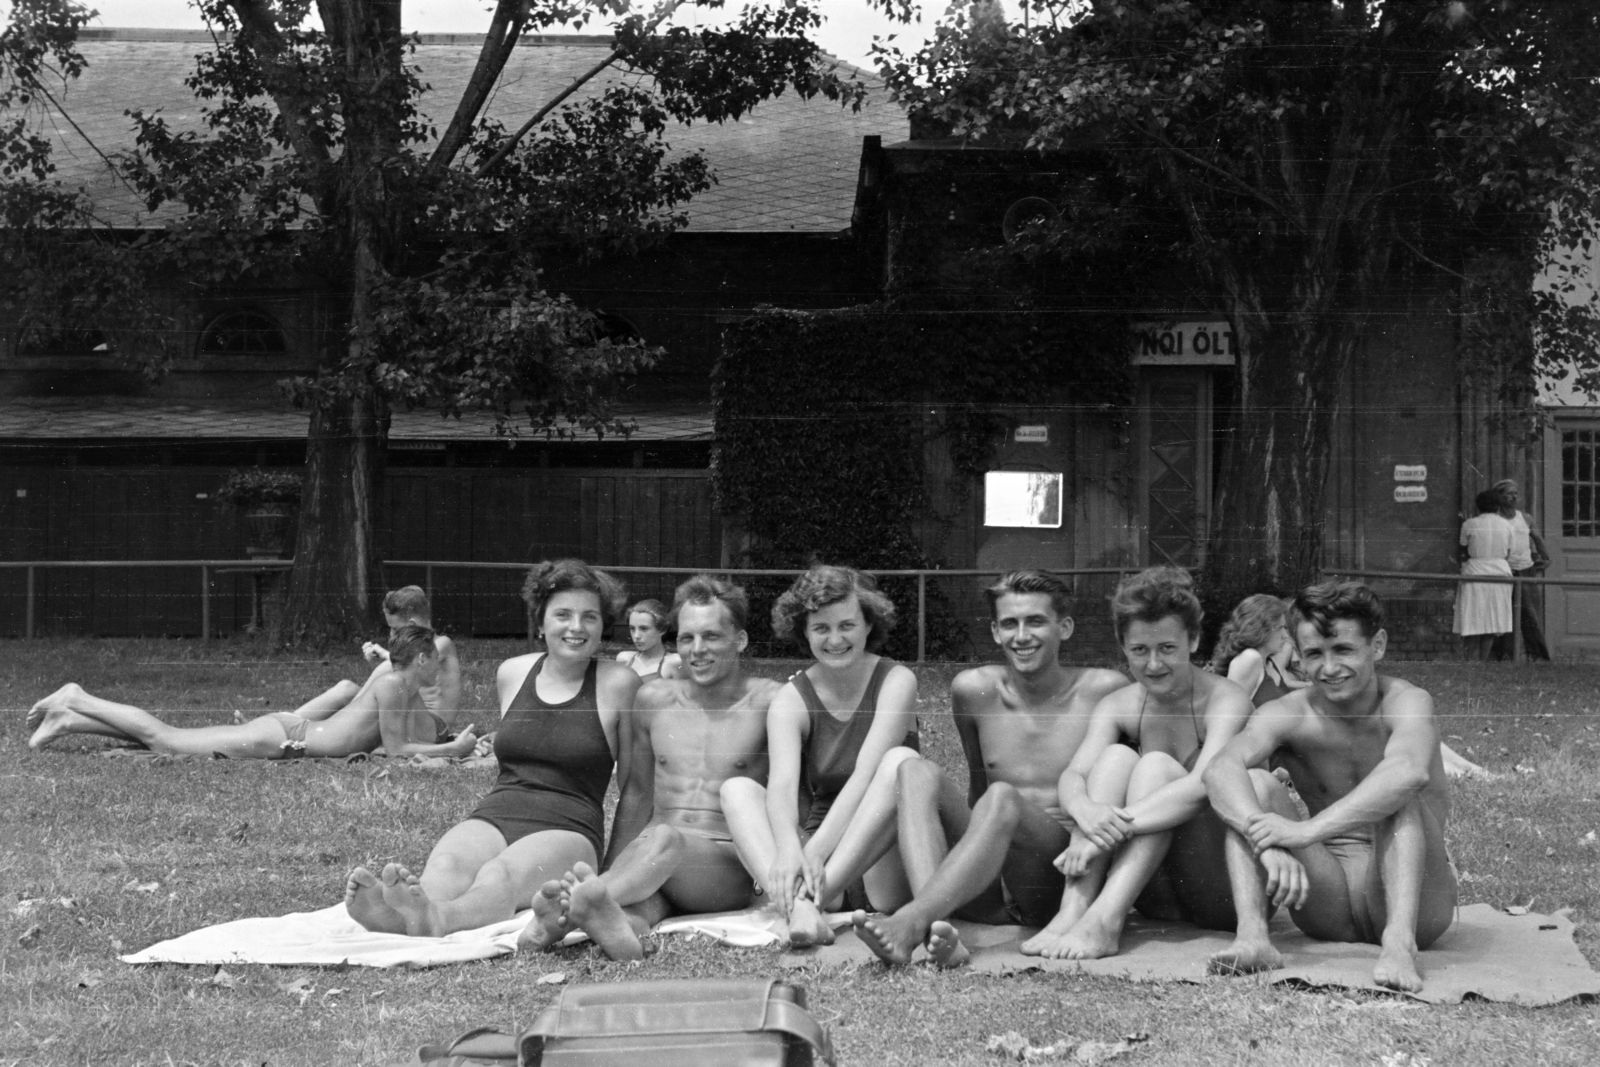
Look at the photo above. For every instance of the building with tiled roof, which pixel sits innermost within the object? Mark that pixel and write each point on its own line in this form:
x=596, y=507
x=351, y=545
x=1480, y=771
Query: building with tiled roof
x=80, y=432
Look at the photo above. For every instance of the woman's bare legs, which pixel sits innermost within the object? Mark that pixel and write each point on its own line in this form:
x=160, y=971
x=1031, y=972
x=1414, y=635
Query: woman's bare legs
x=744, y=805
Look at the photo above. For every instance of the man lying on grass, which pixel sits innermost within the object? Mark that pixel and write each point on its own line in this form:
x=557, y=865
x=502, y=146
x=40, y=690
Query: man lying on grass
x=1020, y=724
x=1370, y=863
x=388, y=710
x=689, y=735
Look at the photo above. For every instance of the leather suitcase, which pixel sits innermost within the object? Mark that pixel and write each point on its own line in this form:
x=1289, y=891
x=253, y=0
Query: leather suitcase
x=680, y=1023
x=739, y=1022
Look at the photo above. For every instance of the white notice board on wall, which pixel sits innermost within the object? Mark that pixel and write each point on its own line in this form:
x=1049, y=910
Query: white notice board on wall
x=1022, y=498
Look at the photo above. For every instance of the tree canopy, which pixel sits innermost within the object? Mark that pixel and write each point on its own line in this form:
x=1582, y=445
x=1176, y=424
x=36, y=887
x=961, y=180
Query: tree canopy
x=316, y=161
x=1296, y=156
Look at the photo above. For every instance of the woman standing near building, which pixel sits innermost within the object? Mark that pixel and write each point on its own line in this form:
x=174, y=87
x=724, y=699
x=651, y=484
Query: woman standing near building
x=1483, y=609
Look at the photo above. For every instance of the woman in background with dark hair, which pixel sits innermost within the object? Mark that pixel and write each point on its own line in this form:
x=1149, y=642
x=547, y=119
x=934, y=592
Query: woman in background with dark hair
x=838, y=725
x=648, y=625
x=561, y=733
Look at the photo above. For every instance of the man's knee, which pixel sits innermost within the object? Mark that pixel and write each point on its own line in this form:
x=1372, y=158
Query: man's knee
x=345, y=690
x=918, y=778
x=1001, y=804
x=894, y=759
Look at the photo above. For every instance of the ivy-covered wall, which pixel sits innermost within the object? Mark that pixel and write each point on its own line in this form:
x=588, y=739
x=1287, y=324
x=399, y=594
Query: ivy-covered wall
x=823, y=422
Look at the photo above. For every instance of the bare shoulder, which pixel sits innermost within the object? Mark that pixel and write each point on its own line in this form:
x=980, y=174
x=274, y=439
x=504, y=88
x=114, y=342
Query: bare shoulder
x=1401, y=698
x=759, y=692
x=444, y=646
x=1097, y=683
x=976, y=684
x=615, y=679
x=517, y=667
x=656, y=693
x=1223, y=694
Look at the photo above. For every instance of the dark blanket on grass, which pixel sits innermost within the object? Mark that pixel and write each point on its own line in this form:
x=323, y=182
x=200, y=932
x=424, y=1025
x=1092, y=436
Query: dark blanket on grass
x=1529, y=960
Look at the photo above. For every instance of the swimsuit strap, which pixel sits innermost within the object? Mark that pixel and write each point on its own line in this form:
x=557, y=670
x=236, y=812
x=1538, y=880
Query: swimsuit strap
x=807, y=691
x=880, y=671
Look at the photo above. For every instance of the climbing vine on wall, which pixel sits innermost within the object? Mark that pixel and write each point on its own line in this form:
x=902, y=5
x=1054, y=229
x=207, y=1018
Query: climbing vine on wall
x=823, y=419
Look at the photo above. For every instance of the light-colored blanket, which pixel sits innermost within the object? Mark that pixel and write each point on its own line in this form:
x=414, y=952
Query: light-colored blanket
x=330, y=938
x=1529, y=959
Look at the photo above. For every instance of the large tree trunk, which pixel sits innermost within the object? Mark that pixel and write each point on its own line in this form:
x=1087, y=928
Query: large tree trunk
x=334, y=587
x=1269, y=516
x=333, y=591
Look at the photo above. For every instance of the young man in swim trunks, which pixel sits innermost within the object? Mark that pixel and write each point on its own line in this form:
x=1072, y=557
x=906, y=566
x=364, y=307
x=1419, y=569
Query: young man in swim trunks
x=1019, y=724
x=409, y=606
x=387, y=711
x=1362, y=750
x=670, y=851
x=1143, y=832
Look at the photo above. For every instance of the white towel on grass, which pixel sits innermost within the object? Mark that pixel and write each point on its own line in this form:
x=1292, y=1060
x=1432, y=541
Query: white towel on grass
x=330, y=938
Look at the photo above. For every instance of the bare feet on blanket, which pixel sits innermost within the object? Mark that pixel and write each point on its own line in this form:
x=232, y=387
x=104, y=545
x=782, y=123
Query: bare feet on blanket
x=550, y=922
x=363, y=899
x=945, y=947
x=1458, y=766
x=807, y=926
x=892, y=938
x=1397, y=967
x=1048, y=942
x=1245, y=956
x=403, y=892
x=52, y=717
x=592, y=910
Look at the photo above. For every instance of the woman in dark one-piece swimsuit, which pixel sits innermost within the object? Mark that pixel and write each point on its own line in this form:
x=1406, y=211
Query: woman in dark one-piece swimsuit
x=840, y=728
x=1255, y=650
x=557, y=745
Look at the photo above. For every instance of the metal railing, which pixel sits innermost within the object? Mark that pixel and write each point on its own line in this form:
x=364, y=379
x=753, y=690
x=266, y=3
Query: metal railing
x=209, y=568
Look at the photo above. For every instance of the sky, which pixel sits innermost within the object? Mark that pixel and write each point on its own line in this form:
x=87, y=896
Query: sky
x=848, y=32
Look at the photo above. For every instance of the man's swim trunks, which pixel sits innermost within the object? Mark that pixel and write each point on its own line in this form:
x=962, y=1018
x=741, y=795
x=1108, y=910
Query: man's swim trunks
x=1354, y=852
x=834, y=744
x=294, y=733
x=555, y=764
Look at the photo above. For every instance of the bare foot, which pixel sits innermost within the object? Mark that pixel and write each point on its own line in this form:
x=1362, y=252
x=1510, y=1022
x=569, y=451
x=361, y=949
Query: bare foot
x=548, y=926
x=1091, y=938
x=403, y=892
x=945, y=947
x=807, y=926
x=52, y=718
x=1245, y=957
x=363, y=899
x=1458, y=766
x=892, y=938
x=1397, y=968
x=1048, y=940
x=593, y=911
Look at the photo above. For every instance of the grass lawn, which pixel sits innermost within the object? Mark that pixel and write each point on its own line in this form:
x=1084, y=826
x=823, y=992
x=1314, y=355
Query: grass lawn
x=148, y=849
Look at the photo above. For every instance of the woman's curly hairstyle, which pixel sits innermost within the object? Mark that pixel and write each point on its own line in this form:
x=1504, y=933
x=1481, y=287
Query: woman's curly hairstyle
x=1251, y=625
x=823, y=586
x=1153, y=595
x=549, y=577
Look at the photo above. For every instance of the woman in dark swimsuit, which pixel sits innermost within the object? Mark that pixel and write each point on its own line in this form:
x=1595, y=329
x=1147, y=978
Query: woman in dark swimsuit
x=557, y=744
x=1255, y=651
x=841, y=726
x=1143, y=830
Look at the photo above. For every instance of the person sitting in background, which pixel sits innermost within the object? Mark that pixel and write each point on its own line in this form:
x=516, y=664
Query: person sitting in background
x=1528, y=559
x=409, y=606
x=1483, y=609
x=649, y=658
x=388, y=710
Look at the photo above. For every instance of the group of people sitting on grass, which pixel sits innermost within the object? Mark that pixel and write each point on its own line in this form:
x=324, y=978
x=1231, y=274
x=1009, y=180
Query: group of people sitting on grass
x=1188, y=795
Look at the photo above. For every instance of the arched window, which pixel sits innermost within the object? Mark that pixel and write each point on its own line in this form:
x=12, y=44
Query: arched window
x=37, y=339
x=242, y=333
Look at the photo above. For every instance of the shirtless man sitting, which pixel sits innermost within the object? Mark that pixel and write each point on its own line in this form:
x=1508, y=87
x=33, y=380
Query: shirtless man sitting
x=1362, y=750
x=688, y=735
x=1020, y=725
x=388, y=710
x=409, y=606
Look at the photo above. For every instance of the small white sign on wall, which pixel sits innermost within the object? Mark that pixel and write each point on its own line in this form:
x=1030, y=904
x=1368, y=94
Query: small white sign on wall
x=1030, y=499
x=1410, y=494
x=1031, y=435
x=1410, y=472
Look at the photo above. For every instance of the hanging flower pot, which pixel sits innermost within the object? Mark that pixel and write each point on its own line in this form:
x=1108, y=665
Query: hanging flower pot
x=267, y=531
